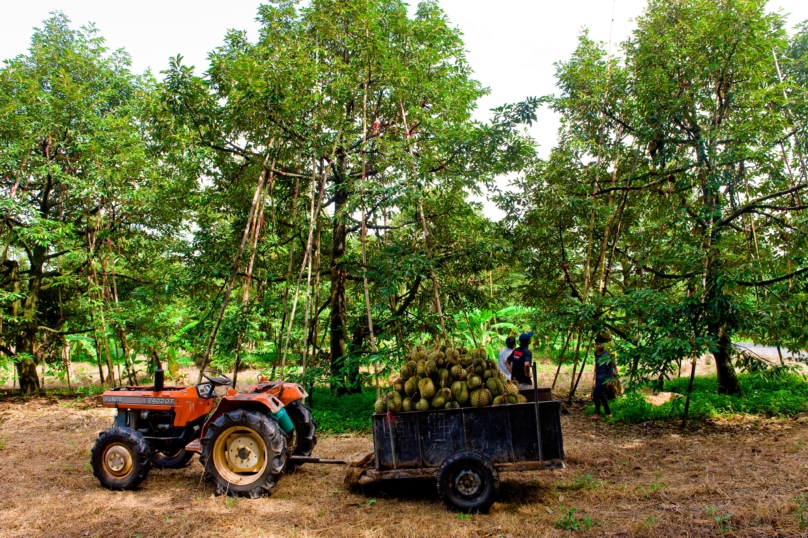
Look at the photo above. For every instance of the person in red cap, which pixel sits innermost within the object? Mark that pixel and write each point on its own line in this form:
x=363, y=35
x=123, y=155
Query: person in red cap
x=519, y=362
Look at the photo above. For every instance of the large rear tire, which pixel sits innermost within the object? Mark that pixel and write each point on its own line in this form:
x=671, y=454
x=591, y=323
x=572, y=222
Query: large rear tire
x=121, y=458
x=305, y=431
x=243, y=453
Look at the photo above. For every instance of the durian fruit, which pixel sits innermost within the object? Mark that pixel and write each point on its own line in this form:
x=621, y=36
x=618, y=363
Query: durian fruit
x=479, y=369
x=426, y=388
x=465, y=361
x=463, y=395
x=395, y=401
x=498, y=400
x=447, y=394
x=422, y=404
x=486, y=397
x=458, y=373
x=407, y=405
x=438, y=401
x=457, y=386
x=411, y=386
x=495, y=386
x=511, y=388
x=379, y=407
x=398, y=385
x=474, y=382
x=406, y=373
x=511, y=398
x=488, y=374
x=431, y=368
x=421, y=369
x=452, y=354
x=452, y=405
x=522, y=399
x=476, y=398
x=444, y=378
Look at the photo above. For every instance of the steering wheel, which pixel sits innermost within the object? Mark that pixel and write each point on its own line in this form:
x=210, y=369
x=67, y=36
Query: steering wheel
x=218, y=381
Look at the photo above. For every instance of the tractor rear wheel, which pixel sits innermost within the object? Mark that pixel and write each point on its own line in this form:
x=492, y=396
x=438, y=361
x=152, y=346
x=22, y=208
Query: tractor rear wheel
x=305, y=430
x=121, y=458
x=168, y=460
x=243, y=453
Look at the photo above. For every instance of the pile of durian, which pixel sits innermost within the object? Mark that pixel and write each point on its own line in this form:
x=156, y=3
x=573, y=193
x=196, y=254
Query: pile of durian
x=447, y=378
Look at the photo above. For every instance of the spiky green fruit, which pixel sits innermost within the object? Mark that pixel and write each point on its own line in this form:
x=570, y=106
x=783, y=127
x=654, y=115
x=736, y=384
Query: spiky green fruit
x=463, y=397
x=395, y=401
x=406, y=373
x=465, y=362
x=498, y=400
x=452, y=355
x=423, y=355
x=437, y=402
x=457, y=386
x=421, y=369
x=398, y=385
x=511, y=398
x=446, y=393
x=431, y=368
x=407, y=404
x=411, y=386
x=522, y=399
x=452, y=405
x=426, y=388
x=486, y=396
x=475, y=398
x=379, y=406
x=479, y=369
x=487, y=375
x=422, y=404
x=495, y=386
x=511, y=388
x=474, y=382
x=444, y=378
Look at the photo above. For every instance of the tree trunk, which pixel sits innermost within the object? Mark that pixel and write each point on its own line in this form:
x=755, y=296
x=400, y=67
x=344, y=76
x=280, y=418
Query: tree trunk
x=346, y=375
x=26, y=366
x=727, y=378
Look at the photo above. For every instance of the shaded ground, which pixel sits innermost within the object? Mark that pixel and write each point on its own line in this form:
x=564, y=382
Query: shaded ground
x=738, y=478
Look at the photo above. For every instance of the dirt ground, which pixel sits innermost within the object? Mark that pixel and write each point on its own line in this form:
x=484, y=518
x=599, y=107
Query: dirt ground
x=738, y=478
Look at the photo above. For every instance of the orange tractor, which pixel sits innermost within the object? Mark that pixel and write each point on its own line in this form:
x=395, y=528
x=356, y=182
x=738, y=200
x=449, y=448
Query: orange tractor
x=245, y=441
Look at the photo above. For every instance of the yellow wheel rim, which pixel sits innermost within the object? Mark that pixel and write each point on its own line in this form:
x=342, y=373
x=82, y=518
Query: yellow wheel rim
x=240, y=455
x=118, y=460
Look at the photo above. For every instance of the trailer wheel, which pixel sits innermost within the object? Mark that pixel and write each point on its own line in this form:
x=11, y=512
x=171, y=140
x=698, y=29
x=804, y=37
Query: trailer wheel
x=243, y=453
x=468, y=482
x=305, y=431
x=121, y=458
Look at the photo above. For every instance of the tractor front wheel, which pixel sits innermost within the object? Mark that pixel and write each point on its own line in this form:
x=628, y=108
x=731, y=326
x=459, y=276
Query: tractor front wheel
x=121, y=458
x=243, y=453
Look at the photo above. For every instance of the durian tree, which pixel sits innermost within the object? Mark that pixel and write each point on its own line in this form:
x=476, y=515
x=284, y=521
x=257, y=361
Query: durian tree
x=672, y=209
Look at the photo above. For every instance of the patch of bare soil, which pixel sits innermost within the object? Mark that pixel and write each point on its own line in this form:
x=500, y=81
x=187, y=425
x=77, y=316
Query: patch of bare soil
x=738, y=478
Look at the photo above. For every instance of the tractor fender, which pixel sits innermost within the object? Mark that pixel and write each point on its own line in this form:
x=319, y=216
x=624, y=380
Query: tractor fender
x=261, y=402
x=285, y=392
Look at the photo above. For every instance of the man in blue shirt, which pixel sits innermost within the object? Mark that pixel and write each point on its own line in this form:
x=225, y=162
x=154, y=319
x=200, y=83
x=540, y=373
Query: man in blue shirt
x=519, y=362
x=510, y=343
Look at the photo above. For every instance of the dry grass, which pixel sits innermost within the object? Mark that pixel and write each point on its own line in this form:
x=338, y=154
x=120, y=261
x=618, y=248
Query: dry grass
x=631, y=481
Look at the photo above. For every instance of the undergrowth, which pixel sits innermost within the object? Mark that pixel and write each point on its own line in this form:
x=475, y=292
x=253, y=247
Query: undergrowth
x=782, y=396
x=342, y=414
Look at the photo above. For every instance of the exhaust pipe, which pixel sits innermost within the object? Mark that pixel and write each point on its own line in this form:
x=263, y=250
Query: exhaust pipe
x=159, y=380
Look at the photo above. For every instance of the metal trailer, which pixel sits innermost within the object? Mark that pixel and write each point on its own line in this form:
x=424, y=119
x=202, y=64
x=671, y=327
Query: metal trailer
x=467, y=448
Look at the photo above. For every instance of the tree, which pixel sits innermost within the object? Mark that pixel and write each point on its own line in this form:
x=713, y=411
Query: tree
x=76, y=179
x=679, y=176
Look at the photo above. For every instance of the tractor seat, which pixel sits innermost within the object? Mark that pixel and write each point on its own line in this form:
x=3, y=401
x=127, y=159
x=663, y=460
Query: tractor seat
x=219, y=381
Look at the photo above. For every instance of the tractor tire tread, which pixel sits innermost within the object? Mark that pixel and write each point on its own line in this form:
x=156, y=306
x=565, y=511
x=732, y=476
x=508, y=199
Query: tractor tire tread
x=273, y=437
x=142, y=454
x=305, y=430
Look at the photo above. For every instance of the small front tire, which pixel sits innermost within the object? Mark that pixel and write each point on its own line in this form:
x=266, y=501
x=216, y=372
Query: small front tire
x=468, y=482
x=305, y=431
x=121, y=459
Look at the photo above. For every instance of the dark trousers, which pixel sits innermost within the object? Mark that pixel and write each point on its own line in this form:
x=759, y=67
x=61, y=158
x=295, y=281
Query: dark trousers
x=599, y=395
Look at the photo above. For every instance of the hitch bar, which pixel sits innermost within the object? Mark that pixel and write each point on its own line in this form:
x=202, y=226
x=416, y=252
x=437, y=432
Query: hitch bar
x=312, y=459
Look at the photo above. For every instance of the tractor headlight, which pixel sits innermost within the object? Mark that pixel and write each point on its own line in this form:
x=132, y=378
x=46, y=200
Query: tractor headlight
x=205, y=390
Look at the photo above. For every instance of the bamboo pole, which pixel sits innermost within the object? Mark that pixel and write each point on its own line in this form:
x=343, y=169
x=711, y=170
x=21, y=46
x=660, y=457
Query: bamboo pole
x=229, y=286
